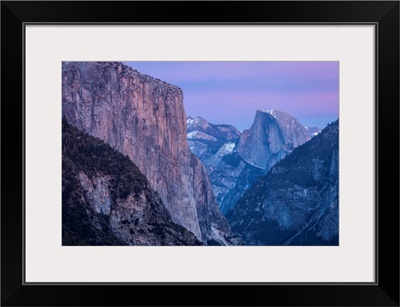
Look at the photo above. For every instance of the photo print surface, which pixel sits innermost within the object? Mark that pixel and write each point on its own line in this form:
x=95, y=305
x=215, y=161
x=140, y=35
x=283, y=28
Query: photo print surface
x=200, y=153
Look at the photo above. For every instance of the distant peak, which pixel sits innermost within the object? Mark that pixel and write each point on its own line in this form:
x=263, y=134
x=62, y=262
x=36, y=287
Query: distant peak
x=196, y=123
x=273, y=112
x=196, y=119
x=199, y=119
x=278, y=115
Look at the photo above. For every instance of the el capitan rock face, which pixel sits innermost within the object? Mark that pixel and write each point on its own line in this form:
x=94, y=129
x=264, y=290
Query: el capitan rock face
x=143, y=118
x=296, y=202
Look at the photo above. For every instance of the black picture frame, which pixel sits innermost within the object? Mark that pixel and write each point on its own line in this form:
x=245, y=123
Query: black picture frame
x=383, y=14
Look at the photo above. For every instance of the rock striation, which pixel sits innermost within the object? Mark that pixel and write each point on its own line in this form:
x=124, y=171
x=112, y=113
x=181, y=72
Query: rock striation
x=143, y=118
x=296, y=202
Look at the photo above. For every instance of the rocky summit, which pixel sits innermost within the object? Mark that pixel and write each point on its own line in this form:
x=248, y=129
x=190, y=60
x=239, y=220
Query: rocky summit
x=271, y=137
x=143, y=117
x=296, y=202
x=235, y=160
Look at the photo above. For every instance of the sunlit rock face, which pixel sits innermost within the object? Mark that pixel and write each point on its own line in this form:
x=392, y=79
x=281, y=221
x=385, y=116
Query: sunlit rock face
x=143, y=118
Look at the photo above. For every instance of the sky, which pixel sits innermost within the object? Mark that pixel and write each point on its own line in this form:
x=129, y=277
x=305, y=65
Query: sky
x=231, y=92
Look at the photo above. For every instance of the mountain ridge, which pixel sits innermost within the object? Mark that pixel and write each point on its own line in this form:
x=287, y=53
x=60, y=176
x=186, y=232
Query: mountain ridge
x=231, y=162
x=296, y=202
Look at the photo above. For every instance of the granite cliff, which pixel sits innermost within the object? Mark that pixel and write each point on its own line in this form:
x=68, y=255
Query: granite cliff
x=271, y=137
x=143, y=118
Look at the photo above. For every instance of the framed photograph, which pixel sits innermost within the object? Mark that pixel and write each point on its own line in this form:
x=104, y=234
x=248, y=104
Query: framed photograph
x=246, y=152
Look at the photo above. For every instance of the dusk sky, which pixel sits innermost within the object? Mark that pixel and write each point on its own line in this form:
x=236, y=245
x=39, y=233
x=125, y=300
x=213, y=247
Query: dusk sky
x=231, y=92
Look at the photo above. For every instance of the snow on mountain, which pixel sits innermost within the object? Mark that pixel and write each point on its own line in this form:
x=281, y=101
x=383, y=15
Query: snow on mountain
x=226, y=149
x=198, y=135
x=313, y=131
x=234, y=160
